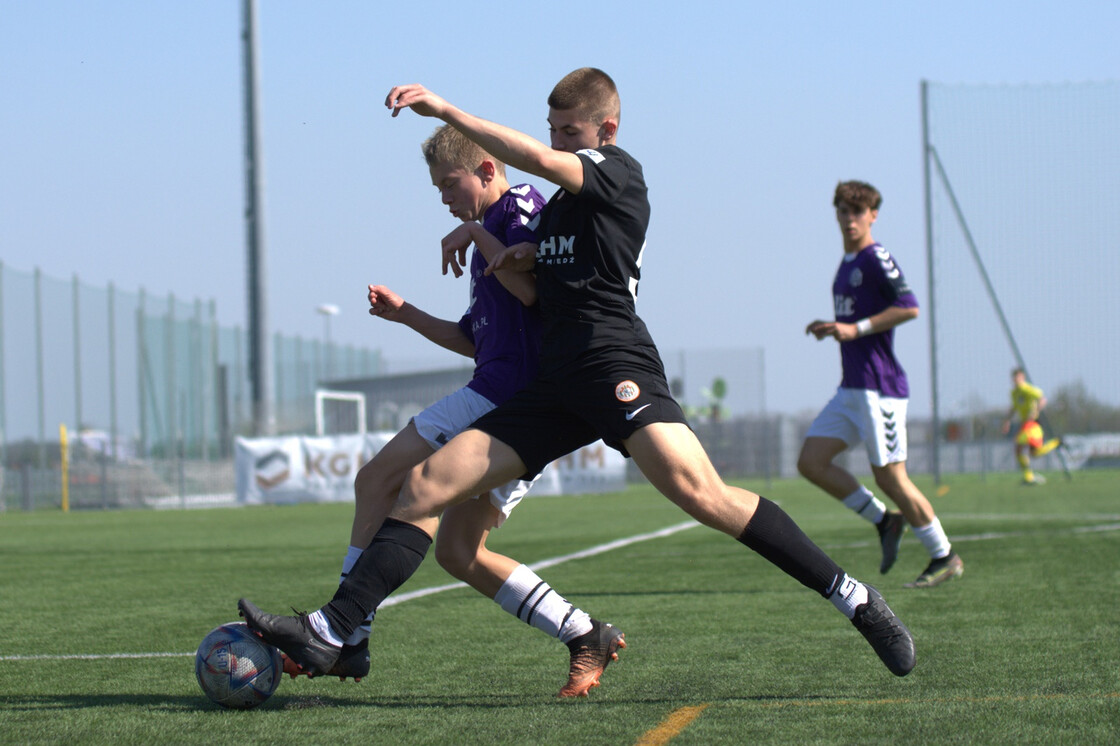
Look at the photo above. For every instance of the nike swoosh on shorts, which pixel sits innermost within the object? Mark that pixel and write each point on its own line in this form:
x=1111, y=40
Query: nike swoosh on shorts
x=632, y=415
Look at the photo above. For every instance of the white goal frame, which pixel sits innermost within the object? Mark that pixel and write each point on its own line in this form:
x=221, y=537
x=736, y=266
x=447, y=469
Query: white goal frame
x=322, y=395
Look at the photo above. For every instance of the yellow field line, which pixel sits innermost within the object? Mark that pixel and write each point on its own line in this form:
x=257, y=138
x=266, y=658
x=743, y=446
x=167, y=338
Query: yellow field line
x=671, y=726
x=680, y=719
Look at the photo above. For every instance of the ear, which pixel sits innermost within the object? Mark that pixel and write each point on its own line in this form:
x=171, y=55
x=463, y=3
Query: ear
x=874, y=215
x=607, y=130
x=486, y=171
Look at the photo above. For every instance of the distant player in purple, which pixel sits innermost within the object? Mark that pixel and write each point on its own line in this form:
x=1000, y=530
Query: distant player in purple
x=871, y=298
x=501, y=331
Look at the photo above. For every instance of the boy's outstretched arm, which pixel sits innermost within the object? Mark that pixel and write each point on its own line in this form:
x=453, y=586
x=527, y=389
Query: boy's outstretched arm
x=521, y=284
x=386, y=304
x=508, y=145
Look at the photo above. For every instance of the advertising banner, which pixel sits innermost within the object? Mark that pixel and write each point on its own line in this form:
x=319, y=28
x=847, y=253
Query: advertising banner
x=300, y=468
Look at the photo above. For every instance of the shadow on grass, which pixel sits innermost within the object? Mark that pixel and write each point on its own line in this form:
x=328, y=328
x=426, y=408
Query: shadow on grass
x=157, y=703
x=497, y=700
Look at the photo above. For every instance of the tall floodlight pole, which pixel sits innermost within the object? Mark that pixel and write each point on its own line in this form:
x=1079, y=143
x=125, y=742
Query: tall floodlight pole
x=260, y=358
x=935, y=435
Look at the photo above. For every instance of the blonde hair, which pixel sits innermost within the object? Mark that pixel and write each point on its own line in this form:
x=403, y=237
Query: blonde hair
x=589, y=91
x=449, y=145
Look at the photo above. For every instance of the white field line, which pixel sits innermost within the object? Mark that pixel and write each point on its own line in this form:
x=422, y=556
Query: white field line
x=590, y=552
x=393, y=600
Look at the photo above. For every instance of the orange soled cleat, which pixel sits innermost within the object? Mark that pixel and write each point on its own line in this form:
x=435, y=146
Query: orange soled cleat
x=590, y=655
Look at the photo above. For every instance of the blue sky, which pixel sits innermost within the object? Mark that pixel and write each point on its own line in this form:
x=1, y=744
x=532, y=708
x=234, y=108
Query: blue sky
x=121, y=147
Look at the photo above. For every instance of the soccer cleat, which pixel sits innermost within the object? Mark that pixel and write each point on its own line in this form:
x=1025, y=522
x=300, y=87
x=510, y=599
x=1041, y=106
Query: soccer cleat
x=938, y=571
x=888, y=636
x=890, y=529
x=1035, y=480
x=590, y=655
x=293, y=636
x=352, y=663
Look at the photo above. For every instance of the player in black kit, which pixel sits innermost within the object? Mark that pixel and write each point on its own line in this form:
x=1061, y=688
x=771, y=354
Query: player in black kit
x=600, y=376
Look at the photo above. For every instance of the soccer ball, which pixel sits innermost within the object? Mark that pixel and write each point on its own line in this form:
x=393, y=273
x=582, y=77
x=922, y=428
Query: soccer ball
x=235, y=668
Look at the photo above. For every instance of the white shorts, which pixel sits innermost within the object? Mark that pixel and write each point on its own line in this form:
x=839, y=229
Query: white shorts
x=452, y=415
x=861, y=415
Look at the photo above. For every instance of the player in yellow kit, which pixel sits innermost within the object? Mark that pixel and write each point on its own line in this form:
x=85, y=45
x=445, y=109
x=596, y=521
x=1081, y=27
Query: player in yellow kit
x=1027, y=401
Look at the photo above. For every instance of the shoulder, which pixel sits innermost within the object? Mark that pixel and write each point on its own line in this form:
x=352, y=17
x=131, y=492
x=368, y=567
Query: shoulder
x=878, y=257
x=609, y=172
x=523, y=194
x=608, y=154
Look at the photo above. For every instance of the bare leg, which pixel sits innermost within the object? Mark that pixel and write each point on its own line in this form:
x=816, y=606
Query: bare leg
x=461, y=546
x=815, y=463
x=473, y=463
x=673, y=460
x=896, y=484
x=379, y=482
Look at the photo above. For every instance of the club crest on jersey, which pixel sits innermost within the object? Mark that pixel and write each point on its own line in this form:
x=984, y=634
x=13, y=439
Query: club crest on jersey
x=856, y=278
x=627, y=391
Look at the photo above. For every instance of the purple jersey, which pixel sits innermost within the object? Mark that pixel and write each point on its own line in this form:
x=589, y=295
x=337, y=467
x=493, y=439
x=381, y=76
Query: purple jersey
x=505, y=333
x=870, y=281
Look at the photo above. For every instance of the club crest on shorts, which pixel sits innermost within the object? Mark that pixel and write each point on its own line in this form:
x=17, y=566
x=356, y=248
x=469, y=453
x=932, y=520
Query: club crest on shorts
x=627, y=391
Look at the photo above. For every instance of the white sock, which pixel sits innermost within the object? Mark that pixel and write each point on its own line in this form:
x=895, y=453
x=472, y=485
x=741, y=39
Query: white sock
x=348, y=562
x=934, y=539
x=869, y=507
x=352, y=555
x=534, y=602
x=323, y=628
x=849, y=594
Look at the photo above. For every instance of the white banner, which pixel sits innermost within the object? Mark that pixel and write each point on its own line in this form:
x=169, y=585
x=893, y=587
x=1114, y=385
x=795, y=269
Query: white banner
x=302, y=468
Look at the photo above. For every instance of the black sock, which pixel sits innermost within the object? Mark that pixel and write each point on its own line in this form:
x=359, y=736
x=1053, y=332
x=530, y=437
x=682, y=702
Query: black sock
x=391, y=558
x=774, y=535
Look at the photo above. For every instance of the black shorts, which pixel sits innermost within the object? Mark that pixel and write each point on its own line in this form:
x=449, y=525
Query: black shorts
x=606, y=394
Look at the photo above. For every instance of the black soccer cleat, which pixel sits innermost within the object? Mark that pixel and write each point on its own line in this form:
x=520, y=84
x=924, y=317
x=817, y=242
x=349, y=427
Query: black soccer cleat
x=293, y=636
x=890, y=528
x=352, y=663
x=887, y=634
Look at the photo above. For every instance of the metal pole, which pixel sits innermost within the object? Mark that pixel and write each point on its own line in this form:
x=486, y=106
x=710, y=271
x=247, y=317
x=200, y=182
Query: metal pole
x=211, y=385
x=935, y=435
x=3, y=385
x=39, y=368
x=260, y=363
x=170, y=378
x=76, y=309
x=141, y=378
x=113, y=424
x=198, y=384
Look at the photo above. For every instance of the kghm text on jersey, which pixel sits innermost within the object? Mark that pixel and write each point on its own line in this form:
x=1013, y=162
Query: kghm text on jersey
x=556, y=246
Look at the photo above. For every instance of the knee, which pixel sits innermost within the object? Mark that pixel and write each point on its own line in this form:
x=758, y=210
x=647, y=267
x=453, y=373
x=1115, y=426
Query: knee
x=420, y=492
x=809, y=466
x=708, y=503
x=453, y=554
x=366, y=482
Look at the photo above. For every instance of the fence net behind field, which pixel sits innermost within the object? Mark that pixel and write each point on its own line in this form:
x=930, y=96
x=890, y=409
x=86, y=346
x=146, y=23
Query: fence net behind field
x=1025, y=252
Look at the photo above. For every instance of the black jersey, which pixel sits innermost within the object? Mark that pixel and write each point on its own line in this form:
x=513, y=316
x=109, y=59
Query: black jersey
x=589, y=261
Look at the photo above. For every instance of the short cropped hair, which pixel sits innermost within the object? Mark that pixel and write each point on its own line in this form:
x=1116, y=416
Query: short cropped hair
x=858, y=193
x=449, y=145
x=590, y=91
